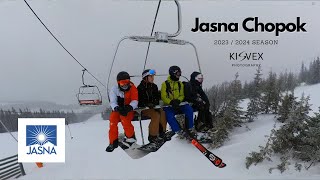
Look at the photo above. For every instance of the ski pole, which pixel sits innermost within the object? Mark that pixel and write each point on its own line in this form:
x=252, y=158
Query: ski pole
x=69, y=129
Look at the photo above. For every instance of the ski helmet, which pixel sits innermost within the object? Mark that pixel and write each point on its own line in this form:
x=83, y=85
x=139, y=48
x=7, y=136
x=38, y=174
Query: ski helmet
x=148, y=72
x=123, y=79
x=175, y=73
x=123, y=75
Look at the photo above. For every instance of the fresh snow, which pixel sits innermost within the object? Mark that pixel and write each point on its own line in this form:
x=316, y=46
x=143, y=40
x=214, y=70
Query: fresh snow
x=177, y=159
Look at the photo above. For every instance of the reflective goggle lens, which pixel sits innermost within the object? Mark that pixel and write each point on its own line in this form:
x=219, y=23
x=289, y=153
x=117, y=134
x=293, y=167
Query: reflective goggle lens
x=124, y=82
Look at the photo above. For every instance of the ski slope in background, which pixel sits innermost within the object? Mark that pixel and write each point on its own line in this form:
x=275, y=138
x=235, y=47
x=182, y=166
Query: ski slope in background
x=86, y=157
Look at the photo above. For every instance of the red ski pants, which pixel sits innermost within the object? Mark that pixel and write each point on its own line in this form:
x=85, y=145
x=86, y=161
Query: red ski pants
x=115, y=118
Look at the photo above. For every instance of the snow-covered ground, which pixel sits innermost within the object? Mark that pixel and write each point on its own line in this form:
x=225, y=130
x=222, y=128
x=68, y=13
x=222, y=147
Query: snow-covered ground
x=177, y=159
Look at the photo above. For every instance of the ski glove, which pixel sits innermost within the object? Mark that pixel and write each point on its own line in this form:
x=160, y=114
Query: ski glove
x=125, y=110
x=200, y=105
x=175, y=103
x=122, y=111
x=128, y=108
x=116, y=109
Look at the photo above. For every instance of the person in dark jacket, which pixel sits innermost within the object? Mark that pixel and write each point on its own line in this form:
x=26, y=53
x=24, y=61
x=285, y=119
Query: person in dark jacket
x=149, y=96
x=194, y=94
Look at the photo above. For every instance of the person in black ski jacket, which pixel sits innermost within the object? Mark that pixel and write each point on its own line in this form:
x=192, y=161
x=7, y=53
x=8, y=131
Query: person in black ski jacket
x=194, y=94
x=149, y=96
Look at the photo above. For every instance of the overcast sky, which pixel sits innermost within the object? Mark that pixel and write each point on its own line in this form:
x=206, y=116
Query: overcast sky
x=34, y=66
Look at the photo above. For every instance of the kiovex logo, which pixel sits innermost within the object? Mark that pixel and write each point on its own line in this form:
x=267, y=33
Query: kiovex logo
x=254, y=56
x=250, y=24
x=41, y=139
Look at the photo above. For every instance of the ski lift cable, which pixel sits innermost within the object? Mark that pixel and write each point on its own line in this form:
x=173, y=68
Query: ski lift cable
x=154, y=23
x=61, y=43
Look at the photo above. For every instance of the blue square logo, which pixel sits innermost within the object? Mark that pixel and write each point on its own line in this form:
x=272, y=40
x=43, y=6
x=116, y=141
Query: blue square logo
x=41, y=134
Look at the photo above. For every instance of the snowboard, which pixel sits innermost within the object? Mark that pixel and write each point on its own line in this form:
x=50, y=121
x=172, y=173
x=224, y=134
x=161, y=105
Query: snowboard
x=132, y=151
x=153, y=147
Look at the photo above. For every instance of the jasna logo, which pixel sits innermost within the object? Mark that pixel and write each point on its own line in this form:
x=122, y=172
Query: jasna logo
x=41, y=139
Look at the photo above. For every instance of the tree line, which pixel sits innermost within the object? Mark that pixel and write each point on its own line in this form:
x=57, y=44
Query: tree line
x=10, y=117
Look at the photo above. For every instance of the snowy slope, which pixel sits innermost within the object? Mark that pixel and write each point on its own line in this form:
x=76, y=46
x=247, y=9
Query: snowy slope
x=177, y=159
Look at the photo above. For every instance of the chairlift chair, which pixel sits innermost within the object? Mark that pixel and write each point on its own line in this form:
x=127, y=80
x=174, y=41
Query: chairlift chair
x=159, y=37
x=89, y=94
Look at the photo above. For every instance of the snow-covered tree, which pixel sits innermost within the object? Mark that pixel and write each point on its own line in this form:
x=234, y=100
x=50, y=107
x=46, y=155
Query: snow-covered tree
x=254, y=105
x=286, y=107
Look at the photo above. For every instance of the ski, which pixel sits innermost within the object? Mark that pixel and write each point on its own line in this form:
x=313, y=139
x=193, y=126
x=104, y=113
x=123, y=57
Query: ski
x=209, y=155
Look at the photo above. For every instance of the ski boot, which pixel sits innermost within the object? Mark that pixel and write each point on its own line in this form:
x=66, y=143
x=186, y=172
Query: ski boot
x=112, y=146
x=128, y=142
x=155, y=139
x=166, y=136
x=192, y=133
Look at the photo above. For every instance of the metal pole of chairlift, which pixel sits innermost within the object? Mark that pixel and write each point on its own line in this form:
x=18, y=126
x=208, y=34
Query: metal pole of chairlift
x=110, y=70
x=83, y=71
x=179, y=20
x=140, y=117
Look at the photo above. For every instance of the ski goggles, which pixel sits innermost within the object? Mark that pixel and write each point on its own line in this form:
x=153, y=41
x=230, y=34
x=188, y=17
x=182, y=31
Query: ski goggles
x=124, y=82
x=148, y=73
x=199, y=78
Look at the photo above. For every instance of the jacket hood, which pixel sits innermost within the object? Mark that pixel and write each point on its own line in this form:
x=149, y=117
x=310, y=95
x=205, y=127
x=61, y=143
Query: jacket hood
x=193, y=78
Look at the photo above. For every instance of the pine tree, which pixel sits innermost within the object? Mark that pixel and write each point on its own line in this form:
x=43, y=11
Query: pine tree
x=303, y=73
x=254, y=105
x=289, y=135
x=229, y=115
x=286, y=107
x=308, y=147
x=292, y=82
x=270, y=94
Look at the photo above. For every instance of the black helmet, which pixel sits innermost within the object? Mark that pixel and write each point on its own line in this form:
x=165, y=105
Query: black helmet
x=173, y=70
x=123, y=75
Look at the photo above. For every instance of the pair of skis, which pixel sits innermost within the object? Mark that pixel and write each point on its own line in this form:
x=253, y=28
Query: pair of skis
x=136, y=152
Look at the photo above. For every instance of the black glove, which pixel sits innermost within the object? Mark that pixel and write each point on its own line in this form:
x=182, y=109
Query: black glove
x=125, y=110
x=150, y=105
x=122, y=111
x=200, y=104
x=128, y=108
x=116, y=109
x=175, y=103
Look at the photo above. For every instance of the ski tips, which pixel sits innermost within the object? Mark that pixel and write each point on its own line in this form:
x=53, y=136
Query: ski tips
x=222, y=165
